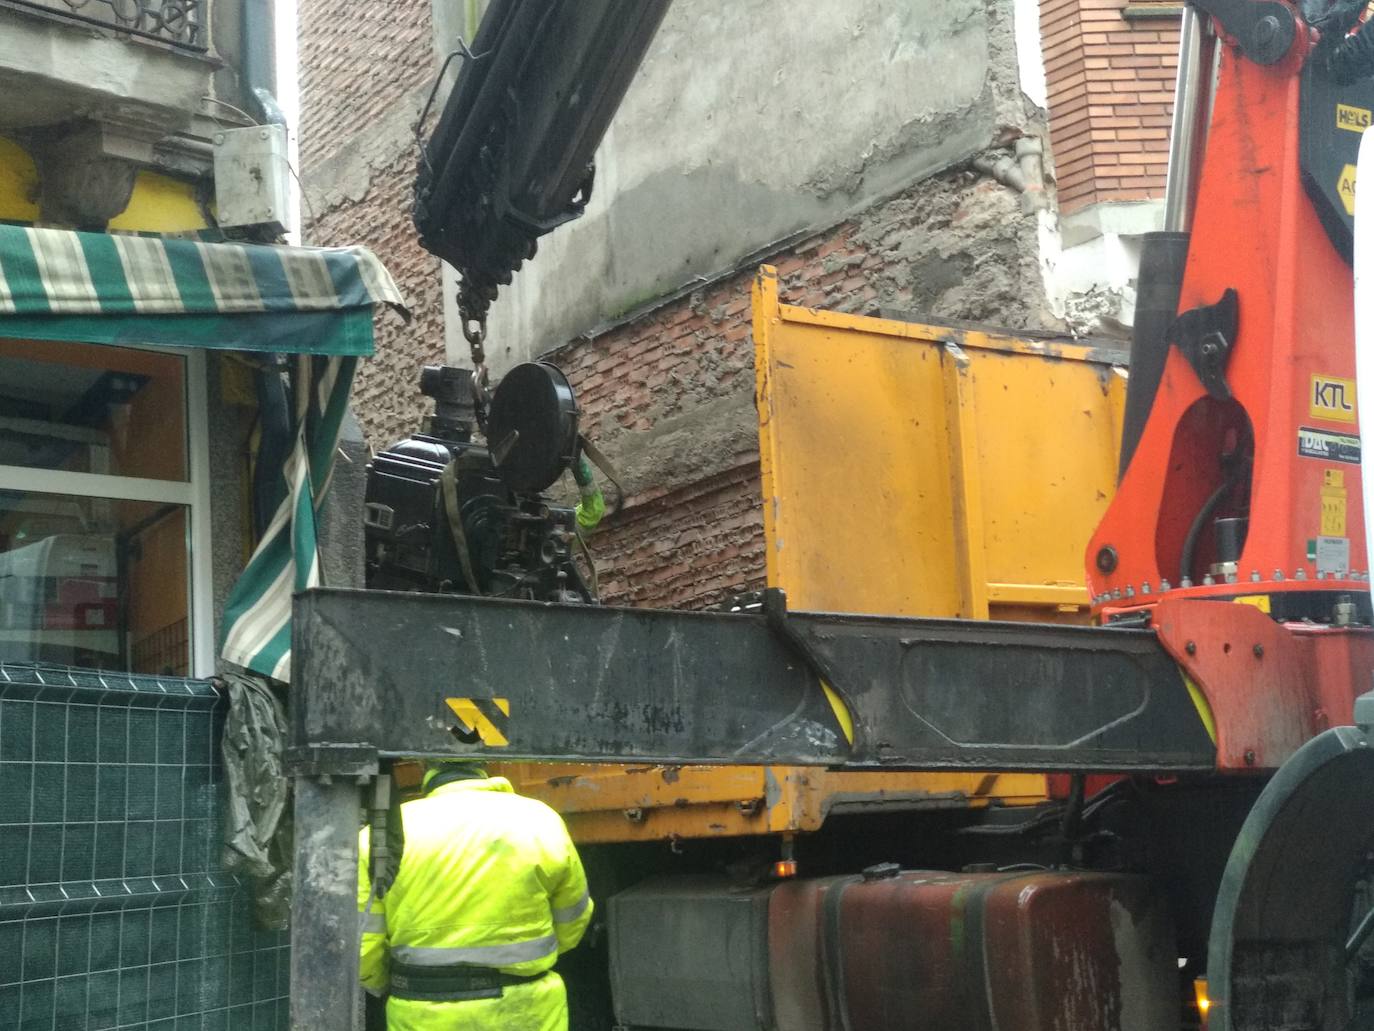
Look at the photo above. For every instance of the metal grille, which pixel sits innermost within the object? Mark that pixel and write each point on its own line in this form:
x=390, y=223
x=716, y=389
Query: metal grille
x=163, y=651
x=113, y=912
x=178, y=22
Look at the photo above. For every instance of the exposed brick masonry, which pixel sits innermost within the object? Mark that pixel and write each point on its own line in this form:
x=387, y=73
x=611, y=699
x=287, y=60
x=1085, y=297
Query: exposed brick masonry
x=688, y=549
x=1111, y=85
x=386, y=394
x=359, y=62
x=356, y=60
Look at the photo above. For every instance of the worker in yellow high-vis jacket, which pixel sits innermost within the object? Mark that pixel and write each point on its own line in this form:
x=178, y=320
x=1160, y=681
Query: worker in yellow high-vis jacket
x=488, y=891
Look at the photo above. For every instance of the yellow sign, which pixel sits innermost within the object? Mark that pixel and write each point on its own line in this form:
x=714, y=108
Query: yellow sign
x=1345, y=186
x=481, y=719
x=1356, y=119
x=1333, y=503
x=1332, y=398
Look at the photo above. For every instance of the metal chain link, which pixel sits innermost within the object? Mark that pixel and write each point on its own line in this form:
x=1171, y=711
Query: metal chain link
x=472, y=315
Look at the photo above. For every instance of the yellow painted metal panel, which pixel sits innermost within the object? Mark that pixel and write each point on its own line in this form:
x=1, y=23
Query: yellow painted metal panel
x=907, y=470
x=18, y=183
x=653, y=803
x=160, y=204
x=929, y=471
x=855, y=453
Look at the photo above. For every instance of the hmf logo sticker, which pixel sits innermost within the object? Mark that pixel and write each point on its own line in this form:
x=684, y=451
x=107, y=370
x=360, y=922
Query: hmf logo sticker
x=1332, y=398
x=1356, y=119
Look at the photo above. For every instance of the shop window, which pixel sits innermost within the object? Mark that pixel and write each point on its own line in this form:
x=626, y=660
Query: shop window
x=103, y=513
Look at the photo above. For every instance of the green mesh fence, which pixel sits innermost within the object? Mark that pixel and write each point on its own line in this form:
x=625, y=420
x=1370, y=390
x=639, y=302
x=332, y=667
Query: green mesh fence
x=113, y=912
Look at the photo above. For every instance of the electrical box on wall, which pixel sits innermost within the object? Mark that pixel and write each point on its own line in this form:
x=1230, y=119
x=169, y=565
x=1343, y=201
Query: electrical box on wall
x=252, y=177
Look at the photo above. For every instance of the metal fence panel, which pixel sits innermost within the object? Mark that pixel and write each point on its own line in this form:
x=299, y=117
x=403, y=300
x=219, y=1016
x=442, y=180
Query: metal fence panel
x=113, y=911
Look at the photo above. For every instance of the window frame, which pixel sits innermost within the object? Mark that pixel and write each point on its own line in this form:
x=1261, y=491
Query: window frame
x=193, y=493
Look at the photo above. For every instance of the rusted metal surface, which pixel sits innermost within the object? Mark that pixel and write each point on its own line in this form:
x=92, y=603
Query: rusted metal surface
x=973, y=952
x=1270, y=686
x=617, y=802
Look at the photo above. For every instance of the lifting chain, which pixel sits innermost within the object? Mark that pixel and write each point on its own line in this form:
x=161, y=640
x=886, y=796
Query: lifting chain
x=472, y=314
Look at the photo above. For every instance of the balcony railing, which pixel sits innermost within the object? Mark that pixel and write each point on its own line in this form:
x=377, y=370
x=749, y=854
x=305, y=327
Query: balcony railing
x=179, y=23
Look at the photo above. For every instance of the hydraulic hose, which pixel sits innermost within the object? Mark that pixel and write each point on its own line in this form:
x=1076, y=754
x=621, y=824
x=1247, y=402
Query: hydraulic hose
x=1200, y=521
x=1352, y=58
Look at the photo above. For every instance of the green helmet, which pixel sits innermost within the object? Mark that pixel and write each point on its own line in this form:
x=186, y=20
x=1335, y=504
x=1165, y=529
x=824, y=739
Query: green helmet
x=452, y=769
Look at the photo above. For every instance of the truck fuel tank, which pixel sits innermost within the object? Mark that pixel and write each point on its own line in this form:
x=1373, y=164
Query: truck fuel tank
x=890, y=949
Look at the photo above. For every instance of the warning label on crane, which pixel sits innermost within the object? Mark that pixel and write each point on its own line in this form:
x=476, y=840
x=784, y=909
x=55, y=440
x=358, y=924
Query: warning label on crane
x=1356, y=119
x=1345, y=187
x=1329, y=447
x=483, y=719
x=1331, y=555
x=1333, y=497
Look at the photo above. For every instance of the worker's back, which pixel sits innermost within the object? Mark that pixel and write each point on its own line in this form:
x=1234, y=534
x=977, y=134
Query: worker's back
x=488, y=892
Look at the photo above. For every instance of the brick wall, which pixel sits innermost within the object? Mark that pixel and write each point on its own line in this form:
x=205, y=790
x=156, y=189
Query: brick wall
x=689, y=548
x=1111, y=85
x=670, y=394
x=362, y=68
x=356, y=61
x=386, y=394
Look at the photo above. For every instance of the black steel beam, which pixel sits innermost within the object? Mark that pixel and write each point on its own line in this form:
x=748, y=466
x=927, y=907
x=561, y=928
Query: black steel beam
x=373, y=670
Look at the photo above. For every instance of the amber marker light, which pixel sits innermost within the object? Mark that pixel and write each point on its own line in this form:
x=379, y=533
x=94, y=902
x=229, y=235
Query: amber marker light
x=1203, y=1002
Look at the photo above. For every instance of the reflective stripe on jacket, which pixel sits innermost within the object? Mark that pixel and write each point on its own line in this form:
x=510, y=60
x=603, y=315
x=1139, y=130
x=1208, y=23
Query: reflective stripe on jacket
x=489, y=878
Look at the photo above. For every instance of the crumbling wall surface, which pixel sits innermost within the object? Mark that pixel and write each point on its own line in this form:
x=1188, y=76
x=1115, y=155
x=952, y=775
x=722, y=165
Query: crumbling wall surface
x=689, y=548
x=365, y=72
x=386, y=393
x=669, y=391
x=358, y=61
x=751, y=121
x=833, y=142
x=669, y=395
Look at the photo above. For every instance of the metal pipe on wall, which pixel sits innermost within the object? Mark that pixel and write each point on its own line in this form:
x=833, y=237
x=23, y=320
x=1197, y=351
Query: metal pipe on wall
x=258, y=74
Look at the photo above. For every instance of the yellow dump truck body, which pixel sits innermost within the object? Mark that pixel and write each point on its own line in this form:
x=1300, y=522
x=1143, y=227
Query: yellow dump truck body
x=908, y=470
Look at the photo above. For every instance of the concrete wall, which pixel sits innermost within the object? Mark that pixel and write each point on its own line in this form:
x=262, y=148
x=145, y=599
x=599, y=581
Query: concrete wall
x=97, y=108
x=749, y=122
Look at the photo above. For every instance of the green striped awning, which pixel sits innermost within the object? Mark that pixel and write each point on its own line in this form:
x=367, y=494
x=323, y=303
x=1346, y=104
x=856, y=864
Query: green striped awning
x=256, y=632
x=123, y=289
x=313, y=303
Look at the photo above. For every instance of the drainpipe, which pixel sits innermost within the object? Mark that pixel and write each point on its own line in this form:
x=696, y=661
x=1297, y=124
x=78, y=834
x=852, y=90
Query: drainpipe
x=258, y=76
x=1022, y=173
x=259, y=71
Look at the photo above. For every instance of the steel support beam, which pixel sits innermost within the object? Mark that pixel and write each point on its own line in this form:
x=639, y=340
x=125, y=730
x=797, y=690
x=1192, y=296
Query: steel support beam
x=373, y=673
x=324, y=904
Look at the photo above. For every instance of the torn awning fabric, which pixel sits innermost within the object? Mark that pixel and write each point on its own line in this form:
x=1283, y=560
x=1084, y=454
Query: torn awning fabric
x=313, y=304
x=104, y=288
